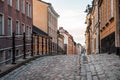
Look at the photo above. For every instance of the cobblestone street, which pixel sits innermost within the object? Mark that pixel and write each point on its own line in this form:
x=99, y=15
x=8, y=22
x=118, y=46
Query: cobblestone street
x=59, y=67
x=71, y=67
x=100, y=67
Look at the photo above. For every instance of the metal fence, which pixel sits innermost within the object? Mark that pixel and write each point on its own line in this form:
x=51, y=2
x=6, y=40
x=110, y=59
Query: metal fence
x=21, y=46
x=15, y=47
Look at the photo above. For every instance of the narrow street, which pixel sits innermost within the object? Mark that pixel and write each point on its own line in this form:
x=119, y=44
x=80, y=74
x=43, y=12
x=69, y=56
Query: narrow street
x=69, y=67
x=61, y=67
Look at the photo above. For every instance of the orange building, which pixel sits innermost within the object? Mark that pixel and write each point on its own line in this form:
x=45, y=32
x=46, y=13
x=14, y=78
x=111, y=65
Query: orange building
x=42, y=44
x=45, y=19
x=109, y=34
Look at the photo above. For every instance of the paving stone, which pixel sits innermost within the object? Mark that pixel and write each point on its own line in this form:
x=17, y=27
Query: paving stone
x=61, y=67
x=89, y=76
x=95, y=78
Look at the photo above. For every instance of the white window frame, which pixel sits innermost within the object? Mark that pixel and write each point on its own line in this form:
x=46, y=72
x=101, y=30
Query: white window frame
x=18, y=5
x=2, y=24
x=112, y=7
x=23, y=6
x=107, y=9
x=27, y=9
x=10, y=2
x=17, y=29
x=11, y=26
x=30, y=15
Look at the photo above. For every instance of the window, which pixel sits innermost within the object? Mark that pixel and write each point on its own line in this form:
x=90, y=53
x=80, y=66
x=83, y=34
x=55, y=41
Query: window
x=27, y=30
x=112, y=12
x=106, y=10
x=1, y=24
x=17, y=28
x=30, y=15
x=28, y=10
x=23, y=28
x=10, y=2
x=23, y=6
x=9, y=26
x=17, y=5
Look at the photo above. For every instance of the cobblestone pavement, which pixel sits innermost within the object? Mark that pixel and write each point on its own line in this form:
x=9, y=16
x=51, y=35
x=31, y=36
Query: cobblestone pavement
x=61, y=67
x=100, y=67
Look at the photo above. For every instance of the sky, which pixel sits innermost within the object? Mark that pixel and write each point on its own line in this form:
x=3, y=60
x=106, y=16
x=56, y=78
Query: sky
x=72, y=17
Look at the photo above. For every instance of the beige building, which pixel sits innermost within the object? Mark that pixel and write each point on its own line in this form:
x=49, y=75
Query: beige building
x=60, y=41
x=52, y=27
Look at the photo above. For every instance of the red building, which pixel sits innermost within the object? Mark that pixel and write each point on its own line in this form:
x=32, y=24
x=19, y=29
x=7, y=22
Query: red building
x=15, y=19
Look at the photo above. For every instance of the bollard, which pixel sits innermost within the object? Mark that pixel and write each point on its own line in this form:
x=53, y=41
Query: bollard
x=24, y=46
x=13, y=48
x=32, y=45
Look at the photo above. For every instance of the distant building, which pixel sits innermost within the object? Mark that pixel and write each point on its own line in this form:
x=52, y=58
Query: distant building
x=60, y=47
x=69, y=44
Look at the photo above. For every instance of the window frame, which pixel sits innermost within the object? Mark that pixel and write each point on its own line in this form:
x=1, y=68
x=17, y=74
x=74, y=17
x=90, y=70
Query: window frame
x=17, y=27
x=23, y=6
x=18, y=5
x=23, y=28
x=11, y=27
x=2, y=24
x=9, y=3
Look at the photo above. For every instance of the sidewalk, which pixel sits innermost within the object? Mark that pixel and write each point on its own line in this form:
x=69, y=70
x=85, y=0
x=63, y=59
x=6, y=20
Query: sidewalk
x=5, y=69
x=100, y=67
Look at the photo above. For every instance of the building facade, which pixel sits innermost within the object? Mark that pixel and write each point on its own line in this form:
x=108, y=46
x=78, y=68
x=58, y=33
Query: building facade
x=60, y=41
x=53, y=27
x=15, y=29
x=109, y=33
x=106, y=14
x=69, y=43
x=41, y=38
x=46, y=19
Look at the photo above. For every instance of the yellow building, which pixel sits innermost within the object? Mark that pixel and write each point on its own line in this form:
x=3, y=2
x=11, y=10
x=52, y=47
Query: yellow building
x=40, y=15
x=45, y=19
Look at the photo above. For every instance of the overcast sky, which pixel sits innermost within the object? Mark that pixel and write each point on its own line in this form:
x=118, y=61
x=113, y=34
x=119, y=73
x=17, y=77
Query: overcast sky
x=72, y=17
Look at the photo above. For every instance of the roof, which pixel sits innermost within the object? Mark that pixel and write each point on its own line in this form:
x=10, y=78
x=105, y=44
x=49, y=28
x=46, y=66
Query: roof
x=39, y=32
x=51, y=7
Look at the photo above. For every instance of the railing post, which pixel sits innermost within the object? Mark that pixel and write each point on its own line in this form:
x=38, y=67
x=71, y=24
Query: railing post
x=32, y=45
x=46, y=45
x=13, y=48
x=49, y=47
x=38, y=44
x=24, y=46
x=42, y=45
